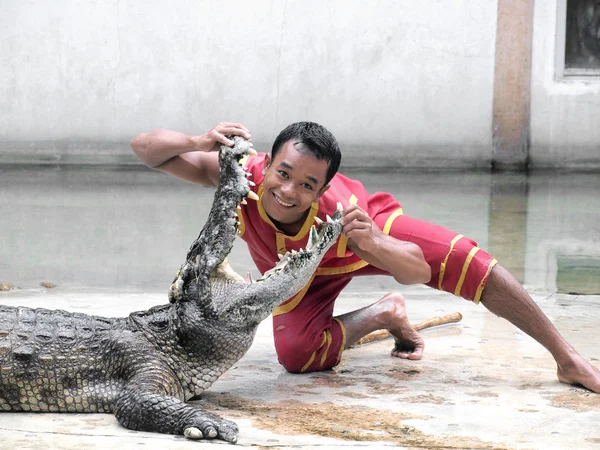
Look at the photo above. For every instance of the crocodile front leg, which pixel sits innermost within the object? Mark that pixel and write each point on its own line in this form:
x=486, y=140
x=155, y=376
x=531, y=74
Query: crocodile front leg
x=152, y=401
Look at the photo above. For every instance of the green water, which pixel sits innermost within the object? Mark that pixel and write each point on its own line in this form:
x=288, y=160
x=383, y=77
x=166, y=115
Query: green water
x=124, y=227
x=578, y=275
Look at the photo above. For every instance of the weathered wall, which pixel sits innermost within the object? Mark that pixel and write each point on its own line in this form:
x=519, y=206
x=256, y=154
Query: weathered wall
x=565, y=114
x=400, y=83
x=411, y=81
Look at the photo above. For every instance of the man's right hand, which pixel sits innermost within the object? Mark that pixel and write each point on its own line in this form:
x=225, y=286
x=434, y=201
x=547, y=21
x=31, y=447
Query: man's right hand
x=212, y=140
x=189, y=157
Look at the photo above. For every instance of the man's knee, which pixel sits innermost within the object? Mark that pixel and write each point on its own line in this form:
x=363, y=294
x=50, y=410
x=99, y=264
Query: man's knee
x=298, y=355
x=293, y=354
x=501, y=283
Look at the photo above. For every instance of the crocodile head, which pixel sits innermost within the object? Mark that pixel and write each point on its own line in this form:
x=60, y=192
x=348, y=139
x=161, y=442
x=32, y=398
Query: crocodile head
x=215, y=241
x=206, y=277
x=252, y=301
x=248, y=300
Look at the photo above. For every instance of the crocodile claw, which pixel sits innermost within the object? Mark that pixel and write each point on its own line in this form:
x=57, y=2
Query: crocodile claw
x=211, y=427
x=193, y=433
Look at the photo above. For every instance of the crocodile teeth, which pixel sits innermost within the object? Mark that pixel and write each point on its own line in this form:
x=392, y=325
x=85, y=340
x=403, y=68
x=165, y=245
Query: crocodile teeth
x=280, y=256
x=243, y=202
x=252, y=195
x=249, y=279
x=273, y=271
x=318, y=221
x=294, y=252
x=329, y=219
x=251, y=183
x=340, y=208
x=314, y=237
x=248, y=174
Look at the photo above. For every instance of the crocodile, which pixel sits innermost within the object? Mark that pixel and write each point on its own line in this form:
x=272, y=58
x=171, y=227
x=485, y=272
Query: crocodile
x=146, y=367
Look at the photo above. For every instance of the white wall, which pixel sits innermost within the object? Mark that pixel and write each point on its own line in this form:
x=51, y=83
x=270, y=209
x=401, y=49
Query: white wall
x=414, y=79
x=565, y=114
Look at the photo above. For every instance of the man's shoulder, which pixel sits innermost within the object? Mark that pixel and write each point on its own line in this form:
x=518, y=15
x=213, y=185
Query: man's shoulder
x=253, y=160
x=350, y=191
x=344, y=190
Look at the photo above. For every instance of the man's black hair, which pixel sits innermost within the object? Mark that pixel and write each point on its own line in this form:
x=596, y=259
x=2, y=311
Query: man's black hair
x=315, y=139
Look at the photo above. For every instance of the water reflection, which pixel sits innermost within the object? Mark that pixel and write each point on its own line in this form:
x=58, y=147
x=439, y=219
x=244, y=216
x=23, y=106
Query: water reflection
x=129, y=228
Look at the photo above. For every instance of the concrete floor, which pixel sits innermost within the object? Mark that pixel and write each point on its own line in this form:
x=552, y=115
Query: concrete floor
x=112, y=238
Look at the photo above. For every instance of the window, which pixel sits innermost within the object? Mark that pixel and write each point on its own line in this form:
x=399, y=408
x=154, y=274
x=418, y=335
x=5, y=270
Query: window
x=578, y=38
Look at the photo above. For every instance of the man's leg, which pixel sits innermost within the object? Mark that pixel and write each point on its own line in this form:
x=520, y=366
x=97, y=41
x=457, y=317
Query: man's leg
x=389, y=313
x=504, y=296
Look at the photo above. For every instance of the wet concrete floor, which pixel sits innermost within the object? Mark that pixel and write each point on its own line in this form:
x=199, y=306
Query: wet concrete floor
x=111, y=239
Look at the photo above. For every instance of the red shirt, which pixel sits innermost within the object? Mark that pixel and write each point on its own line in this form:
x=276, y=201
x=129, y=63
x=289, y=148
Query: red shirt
x=265, y=241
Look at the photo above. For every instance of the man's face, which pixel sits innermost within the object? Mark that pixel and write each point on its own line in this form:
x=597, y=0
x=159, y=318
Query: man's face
x=293, y=181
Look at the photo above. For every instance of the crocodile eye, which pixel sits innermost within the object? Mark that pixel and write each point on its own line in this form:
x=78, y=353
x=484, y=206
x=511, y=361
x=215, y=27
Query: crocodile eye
x=159, y=324
x=43, y=336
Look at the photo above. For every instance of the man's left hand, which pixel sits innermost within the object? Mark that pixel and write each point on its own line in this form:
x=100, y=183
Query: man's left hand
x=360, y=228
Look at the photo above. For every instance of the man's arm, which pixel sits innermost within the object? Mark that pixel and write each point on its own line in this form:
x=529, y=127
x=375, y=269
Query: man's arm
x=189, y=157
x=404, y=260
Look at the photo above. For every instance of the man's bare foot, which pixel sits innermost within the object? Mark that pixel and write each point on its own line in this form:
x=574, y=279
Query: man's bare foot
x=580, y=372
x=389, y=313
x=409, y=344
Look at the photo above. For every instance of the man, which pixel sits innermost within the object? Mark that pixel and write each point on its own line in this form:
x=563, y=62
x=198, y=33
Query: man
x=297, y=184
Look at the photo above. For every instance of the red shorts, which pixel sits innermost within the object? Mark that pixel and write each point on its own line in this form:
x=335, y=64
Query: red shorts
x=308, y=337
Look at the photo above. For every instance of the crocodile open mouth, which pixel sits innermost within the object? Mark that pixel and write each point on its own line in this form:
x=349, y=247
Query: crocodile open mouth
x=319, y=239
x=320, y=236
x=207, y=258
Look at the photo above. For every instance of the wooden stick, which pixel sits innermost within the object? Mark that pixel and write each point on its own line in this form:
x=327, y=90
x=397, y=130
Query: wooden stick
x=433, y=322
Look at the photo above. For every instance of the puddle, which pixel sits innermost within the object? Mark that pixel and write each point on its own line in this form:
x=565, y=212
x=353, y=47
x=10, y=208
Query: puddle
x=353, y=423
x=545, y=228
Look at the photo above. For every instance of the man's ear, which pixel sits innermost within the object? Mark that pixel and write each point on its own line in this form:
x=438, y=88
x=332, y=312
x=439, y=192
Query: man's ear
x=323, y=190
x=267, y=163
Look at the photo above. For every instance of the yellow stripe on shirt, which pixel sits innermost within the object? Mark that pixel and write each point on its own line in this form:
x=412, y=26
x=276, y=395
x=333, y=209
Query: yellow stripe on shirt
x=389, y=222
x=463, y=274
x=287, y=307
x=312, y=358
x=342, y=269
x=329, y=339
x=343, y=241
x=477, y=298
x=343, y=347
x=443, y=265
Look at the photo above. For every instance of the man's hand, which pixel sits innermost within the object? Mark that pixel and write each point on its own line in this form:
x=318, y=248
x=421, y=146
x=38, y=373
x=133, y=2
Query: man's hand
x=189, y=157
x=403, y=260
x=216, y=137
x=360, y=228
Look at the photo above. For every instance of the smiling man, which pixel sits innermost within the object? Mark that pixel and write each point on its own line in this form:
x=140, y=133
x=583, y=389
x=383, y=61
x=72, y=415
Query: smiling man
x=298, y=184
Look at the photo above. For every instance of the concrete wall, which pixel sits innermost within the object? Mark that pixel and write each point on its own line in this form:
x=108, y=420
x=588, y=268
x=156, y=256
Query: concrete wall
x=400, y=83
x=413, y=80
x=565, y=113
